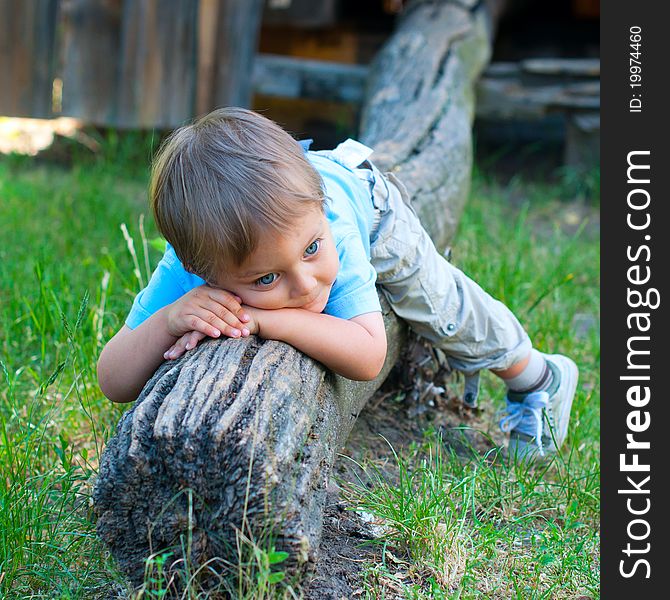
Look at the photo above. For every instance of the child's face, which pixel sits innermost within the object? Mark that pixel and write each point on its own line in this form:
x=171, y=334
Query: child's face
x=295, y=269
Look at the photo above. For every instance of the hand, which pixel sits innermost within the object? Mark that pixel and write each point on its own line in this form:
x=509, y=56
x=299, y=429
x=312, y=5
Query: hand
x=256, y=316
x=209, y=311
x=188, y=341
x=265, y=316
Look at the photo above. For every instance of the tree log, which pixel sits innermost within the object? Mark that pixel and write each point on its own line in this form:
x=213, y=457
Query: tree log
x=240, y=435
x=420, y=106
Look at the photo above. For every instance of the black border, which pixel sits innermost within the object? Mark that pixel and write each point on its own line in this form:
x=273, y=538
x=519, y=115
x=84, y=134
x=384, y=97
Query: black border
x=623, y=131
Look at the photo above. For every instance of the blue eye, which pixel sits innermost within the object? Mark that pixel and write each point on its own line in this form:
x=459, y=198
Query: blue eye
x=313, y=248
x=267, y=279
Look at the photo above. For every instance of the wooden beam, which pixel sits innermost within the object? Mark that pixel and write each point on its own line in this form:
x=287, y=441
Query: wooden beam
x=289, y=77
x=530, y=89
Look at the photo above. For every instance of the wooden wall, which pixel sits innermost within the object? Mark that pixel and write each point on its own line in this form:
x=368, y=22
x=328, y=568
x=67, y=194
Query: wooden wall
x=125, y=63
x=27, y=59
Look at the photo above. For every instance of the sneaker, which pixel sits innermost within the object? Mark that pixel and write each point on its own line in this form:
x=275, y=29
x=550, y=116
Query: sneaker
x=538, y=422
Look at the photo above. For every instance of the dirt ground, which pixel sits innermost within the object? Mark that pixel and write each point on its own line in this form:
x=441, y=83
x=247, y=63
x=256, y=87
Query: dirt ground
x=348, y=537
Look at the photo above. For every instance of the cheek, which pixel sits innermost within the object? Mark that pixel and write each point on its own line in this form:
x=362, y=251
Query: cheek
x=268, y=300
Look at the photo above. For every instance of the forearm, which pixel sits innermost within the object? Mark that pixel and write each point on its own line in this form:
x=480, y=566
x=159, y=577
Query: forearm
x=132, y=356
x=343, y=346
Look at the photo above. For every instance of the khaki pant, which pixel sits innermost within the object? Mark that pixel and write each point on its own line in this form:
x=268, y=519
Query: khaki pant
x=436, y=299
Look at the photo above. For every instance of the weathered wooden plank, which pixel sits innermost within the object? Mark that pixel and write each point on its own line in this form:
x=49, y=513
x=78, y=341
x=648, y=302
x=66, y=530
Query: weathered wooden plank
x=300, y=13
x=288, y=77
x=27, y=56
x=144, y=64
x=208, y=17
x=91, y=37
x=157, y=63
x=238, y=27
x=574, y=67
x=511, y=99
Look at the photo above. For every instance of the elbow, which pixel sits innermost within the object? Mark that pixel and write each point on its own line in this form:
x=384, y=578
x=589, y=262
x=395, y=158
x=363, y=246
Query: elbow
x=368, y=375
x=107, y=382
x=111, y=392
x=370, y=368
x=377, y=368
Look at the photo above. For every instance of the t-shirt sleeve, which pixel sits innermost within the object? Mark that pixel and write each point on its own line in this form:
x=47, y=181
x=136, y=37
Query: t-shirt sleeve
x=354, y=292
x=168, y=283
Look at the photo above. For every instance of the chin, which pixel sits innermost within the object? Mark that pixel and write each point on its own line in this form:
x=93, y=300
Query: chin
x=318, y=305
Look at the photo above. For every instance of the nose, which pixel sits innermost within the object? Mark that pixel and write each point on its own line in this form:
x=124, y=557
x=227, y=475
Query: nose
x=303, y=284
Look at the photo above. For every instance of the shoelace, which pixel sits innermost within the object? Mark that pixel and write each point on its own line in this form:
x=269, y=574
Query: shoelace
x=532, y=407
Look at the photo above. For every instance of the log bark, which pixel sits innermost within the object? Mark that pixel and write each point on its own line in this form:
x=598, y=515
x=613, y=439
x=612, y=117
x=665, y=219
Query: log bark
x=420, y=106
x=238, y=437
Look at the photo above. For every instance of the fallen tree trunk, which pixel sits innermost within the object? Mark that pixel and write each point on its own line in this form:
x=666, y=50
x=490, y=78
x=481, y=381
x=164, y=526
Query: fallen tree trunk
x=420, y=106
x=238, y=437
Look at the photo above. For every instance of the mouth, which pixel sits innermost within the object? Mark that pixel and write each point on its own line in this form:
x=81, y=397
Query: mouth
x=318, y=303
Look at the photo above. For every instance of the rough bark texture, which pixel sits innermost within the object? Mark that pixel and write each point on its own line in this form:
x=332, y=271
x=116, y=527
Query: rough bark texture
x=238, y=426
x=420, y=106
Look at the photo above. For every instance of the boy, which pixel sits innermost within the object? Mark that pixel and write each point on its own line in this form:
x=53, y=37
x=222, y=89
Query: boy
x=269, y=239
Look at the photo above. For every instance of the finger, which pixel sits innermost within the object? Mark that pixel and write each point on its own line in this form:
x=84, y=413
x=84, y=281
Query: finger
x=242, y=315
x=224, y=314
x=231, y=302
x=174, y=352
x=212, y=326
x=192, y=339
x=188, y=341
x=213, y=321
x=184, y=344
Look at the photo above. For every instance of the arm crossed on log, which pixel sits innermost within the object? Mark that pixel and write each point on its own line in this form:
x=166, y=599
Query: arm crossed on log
x=279, y=291
x=132, y=356
x=354, y=348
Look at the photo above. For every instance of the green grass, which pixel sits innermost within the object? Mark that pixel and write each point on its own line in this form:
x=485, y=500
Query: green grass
x=455, y=526
x=65, y=281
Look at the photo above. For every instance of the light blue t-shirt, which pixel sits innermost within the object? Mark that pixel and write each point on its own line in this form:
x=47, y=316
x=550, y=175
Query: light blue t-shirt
x=350, y=213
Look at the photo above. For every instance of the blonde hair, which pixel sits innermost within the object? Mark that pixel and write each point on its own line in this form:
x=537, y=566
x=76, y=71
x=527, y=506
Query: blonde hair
x=219, y=183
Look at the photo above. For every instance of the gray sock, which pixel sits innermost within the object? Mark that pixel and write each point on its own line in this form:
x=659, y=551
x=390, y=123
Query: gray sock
x=537, y=376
